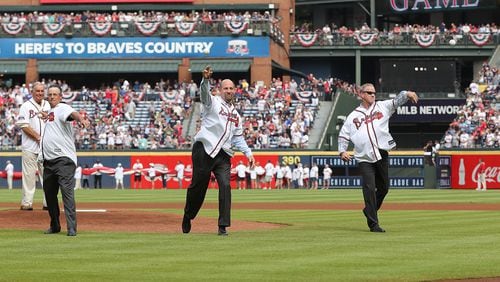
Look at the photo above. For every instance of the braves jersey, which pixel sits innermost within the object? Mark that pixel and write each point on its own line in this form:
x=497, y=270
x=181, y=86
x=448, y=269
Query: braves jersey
x=368, y=129
x=58, y=140
x=221, y=125
x=29, y=116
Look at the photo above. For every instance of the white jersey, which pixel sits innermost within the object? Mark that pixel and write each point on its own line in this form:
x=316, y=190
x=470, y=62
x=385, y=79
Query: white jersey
x=314, y=172
x=241, y=170
x=220, y=122
x=305, y=173
x=9, y=169
x=180, y=170
x=327, y=173
x=368, y=129
x=137, y=168
x=269, y=167
x=58, y=140
x=29, y=116
x=78, y=172
x=119, y=172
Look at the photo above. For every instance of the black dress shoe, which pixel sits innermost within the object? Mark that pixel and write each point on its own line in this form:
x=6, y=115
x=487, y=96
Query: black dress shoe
x=222, y=231
x=45, y=208
x=377, y=228
x=186, y=224
x=52, y=230
x=71, y=232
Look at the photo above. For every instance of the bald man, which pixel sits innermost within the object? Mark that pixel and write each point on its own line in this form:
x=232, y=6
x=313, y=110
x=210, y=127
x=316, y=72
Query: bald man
x=221, y=129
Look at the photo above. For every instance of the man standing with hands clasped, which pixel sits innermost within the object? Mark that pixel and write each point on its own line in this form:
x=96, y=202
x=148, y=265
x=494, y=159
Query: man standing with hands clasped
x=59, y=160
x=221, y=129
x=367, y=127
x=32, y=126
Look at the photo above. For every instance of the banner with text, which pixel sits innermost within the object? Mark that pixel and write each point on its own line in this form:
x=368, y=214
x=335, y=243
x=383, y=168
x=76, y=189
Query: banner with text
x=465, y=170
x=433, y=110
x=429, y=6
x=134, y=47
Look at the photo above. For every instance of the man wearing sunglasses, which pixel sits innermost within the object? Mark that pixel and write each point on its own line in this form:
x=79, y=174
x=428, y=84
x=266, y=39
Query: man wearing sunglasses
x=367, y=127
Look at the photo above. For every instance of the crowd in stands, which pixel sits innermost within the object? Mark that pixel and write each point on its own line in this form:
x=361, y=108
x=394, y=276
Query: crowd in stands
x=332, y=34
x=283, y=123
x=477, y=124
x=140, y=16
x=148, y=23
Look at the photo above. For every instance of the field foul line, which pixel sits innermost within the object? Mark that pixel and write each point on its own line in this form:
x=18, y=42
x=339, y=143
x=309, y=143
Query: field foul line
x=99, y=210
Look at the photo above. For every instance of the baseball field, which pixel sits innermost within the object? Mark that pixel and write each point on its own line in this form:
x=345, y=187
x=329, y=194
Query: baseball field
x=284, y=235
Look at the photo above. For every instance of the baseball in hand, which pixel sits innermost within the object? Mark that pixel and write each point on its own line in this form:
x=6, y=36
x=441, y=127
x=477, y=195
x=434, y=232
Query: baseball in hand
x=207, y=72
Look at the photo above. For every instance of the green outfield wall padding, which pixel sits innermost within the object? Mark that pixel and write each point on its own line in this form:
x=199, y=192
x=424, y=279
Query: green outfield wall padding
x=345, y=103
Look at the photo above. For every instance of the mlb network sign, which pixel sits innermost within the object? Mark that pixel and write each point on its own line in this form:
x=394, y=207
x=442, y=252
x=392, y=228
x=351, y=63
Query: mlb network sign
x=441, y=110
x=133, y=47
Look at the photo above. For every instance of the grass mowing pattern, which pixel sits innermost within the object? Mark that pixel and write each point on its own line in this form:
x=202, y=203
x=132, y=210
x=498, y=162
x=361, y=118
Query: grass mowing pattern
x=318, y=245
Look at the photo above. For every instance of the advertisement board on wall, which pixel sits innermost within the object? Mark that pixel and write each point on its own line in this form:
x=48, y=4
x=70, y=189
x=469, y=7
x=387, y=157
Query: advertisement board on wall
x=134, y=47
x=428, y=110
x=459, y=169
x=465, y=169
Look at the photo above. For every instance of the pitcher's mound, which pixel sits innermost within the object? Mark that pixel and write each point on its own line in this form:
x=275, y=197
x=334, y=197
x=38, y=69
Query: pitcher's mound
x=122, y=221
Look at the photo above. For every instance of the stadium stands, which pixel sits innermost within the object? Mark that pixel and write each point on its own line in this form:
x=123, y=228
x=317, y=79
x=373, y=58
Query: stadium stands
x=156, y=118
x=477, y=124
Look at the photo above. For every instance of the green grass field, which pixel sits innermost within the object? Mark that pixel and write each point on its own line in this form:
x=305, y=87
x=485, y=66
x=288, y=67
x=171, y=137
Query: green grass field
x=316, y=245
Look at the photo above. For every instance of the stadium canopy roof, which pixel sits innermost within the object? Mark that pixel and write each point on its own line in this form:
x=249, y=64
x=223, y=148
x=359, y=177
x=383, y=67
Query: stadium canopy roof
x=136, y=7
x=239, y=65
x=13, y=67
x=282, y=69
x=107, y=66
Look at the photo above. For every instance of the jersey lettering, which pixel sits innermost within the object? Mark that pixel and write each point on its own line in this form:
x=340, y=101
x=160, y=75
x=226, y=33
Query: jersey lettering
x=230, y=116
x=369, y=119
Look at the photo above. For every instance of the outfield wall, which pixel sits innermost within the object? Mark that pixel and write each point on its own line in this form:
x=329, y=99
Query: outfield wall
x=407, y=168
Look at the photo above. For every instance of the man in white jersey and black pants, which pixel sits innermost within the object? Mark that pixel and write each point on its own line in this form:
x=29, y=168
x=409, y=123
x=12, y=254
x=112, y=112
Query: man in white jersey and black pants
x=367, y=127
x=221, y=128
x=59, y=159
x=32, y=126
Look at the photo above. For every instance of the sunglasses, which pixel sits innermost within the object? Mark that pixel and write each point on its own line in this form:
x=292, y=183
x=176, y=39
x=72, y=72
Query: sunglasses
x=370, y=92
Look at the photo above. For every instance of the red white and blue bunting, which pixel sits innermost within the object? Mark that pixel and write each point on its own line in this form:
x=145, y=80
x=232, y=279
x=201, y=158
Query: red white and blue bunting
x=365, y=38
x=53, y=28
x=306, y=39
x=425, y=40
x=13, y=28
x=147, y=28
x=170, y=96
x=480, y=39
x=68, y=97
x=101, y=28
x=185, y=28
x=236, y=26
x=304, y=96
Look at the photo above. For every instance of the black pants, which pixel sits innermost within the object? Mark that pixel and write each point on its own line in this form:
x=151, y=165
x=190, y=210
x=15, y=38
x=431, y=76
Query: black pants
x=375, y=186
x=203, y=165
x=97, y=181
x=85, y=183
x=59, y=173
